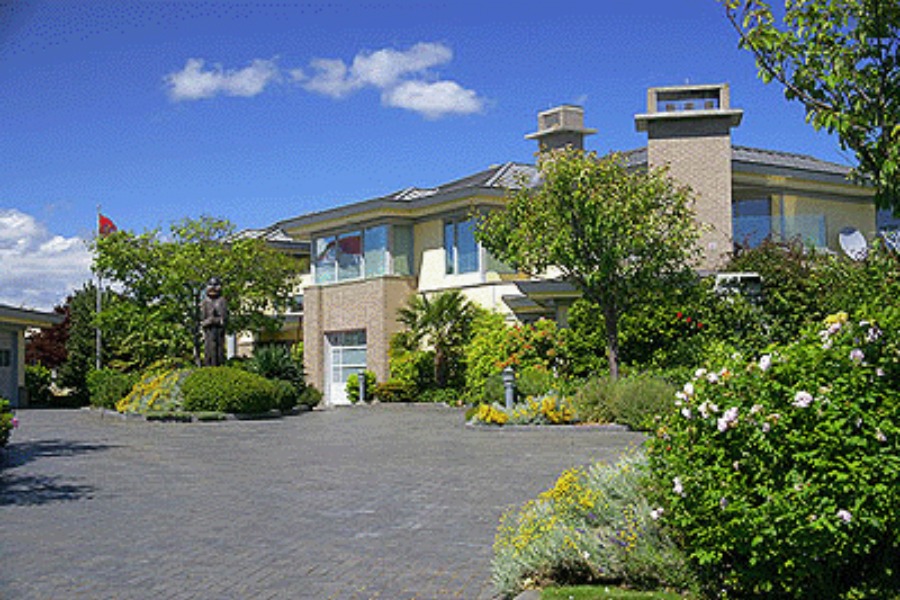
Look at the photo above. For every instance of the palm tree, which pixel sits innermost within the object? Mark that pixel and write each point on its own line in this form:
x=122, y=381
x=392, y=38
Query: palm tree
x=442, y=324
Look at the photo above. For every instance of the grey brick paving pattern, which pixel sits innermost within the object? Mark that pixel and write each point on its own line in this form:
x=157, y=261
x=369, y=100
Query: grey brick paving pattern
x=387, y=502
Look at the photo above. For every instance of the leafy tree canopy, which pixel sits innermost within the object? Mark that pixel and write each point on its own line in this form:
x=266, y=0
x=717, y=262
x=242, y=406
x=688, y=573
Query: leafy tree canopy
x=613, y=232
x=163, y=278
x=841, y=59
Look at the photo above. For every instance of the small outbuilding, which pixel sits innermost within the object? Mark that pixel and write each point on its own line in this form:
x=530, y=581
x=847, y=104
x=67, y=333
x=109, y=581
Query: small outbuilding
x=13, y=324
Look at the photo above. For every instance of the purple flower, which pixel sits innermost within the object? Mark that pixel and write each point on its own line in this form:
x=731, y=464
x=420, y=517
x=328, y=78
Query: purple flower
x=802, y=399
x=15, y=422
x=677, y=487
x=728, y=419
x=856, y=355
x=765, y=362
x=844, y=515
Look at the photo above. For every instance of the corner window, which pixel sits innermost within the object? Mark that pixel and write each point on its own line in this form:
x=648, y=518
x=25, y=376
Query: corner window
x=372, y=252
x=326, y=259
x=460, y=247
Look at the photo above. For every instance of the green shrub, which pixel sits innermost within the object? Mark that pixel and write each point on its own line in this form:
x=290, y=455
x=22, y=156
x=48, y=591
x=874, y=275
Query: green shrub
x=310, y=397
x=38, y=379
x=228, y=390
x=593, y=526
x=280, y=364
x=412, y=368
x=353, y=386
x=108, y=386
x=8, y=422
x=594, y=401
x=286, y=394
x=395, y=391
x=782, y=476
x=485, y=352
x=634, y=401
x=534, y=381
x=640, y=399
x=440, y=396
x=155, y=392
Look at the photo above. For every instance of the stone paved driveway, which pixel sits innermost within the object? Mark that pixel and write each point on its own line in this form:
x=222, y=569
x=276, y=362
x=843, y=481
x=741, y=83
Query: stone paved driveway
x=386, y=502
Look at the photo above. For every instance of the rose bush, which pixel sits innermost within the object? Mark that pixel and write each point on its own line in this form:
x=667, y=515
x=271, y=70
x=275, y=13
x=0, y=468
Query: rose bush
x=781, y=476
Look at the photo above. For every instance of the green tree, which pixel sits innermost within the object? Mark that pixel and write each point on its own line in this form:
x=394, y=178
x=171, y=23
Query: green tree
x=841, y=59
x=612, y=232
x=161, y=280
x=442, y=324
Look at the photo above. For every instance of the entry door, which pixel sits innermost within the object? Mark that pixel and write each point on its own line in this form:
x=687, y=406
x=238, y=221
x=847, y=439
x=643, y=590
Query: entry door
x=9, y=383
x=345, y=354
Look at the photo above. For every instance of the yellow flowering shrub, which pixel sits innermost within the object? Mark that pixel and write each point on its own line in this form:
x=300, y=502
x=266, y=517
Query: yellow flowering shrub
x=490, y=415
x=157, y=391
x=593, y=525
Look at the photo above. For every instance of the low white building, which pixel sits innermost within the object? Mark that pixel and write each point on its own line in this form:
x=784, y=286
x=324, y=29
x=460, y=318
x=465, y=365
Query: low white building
x=13, y=323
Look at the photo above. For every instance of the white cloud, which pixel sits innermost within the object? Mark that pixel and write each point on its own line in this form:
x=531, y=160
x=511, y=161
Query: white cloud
x=401, y=77
x=404, y=78
x=433, y=100
x=195, y=83
x=37, y=268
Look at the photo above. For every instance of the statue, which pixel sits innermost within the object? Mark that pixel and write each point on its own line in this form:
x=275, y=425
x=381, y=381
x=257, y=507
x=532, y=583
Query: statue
x=213, y=316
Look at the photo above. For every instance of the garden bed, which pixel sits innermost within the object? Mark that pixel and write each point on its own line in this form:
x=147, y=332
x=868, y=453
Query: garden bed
x=194, y=417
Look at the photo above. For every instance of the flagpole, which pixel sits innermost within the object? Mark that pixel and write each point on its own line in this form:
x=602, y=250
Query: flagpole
x=98, y=335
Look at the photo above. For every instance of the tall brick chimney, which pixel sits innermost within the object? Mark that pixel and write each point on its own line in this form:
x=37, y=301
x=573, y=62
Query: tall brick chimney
x=560, y=127
x=689, y=128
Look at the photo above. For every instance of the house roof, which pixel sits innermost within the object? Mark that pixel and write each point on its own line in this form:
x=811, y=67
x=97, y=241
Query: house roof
x=23, y=317
x=768, y=162
x=275, y=237
x=495, y=180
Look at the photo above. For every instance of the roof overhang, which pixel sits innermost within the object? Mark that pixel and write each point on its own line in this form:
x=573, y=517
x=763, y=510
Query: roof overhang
x=23, y=318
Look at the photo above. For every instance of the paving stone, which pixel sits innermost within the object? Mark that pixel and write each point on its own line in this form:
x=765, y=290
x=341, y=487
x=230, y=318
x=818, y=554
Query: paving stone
x=388, y=502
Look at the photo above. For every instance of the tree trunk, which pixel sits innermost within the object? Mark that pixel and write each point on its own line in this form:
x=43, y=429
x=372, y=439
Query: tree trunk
x=440, y=367
x=611, y=318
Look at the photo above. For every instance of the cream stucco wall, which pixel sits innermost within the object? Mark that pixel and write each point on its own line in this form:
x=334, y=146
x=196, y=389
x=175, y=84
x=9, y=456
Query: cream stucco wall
x=838, y=214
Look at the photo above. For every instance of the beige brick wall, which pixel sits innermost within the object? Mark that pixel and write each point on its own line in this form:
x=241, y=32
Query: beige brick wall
x=698, y=153
x=370, y=305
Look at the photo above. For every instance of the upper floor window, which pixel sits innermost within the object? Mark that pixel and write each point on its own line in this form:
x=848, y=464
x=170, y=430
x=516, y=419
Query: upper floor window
x=460, y=248
x=370, y=252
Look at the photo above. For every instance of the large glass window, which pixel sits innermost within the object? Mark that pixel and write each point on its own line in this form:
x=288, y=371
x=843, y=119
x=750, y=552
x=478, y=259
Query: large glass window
x=752, y=221
x=460, y=248
x=349, y=256
x=376, y=251
x=372, y=252
x=402, y=250
x=325, y=259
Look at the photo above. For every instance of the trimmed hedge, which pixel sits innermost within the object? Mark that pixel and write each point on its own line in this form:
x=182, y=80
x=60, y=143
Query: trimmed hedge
x=108, y=386
x=229, y=390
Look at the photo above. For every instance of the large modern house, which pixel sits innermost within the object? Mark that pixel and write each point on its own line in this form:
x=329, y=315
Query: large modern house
x=369, y=257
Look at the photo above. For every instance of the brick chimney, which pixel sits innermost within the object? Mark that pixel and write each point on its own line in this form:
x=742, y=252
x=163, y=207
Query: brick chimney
x=689, y=128
x=561, y=127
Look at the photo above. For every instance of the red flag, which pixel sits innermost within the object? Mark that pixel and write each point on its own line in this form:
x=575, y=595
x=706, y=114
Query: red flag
x=106, y=226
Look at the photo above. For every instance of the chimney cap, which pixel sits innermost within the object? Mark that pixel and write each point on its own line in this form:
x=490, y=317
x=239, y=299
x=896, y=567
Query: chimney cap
x=565, y=118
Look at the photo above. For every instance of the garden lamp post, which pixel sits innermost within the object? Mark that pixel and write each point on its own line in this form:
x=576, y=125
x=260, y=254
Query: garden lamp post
x=509, y=386
x=362, y=386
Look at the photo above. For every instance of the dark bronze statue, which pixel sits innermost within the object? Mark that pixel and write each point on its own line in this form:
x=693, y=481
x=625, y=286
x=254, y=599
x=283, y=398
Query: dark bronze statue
x=213, y=317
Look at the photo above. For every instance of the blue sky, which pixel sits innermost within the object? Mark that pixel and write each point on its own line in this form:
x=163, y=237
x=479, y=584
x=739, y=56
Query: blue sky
x=257, y=112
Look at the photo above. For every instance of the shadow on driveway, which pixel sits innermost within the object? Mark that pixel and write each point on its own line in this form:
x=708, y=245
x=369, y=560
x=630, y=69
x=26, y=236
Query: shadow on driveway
x=41, y=489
